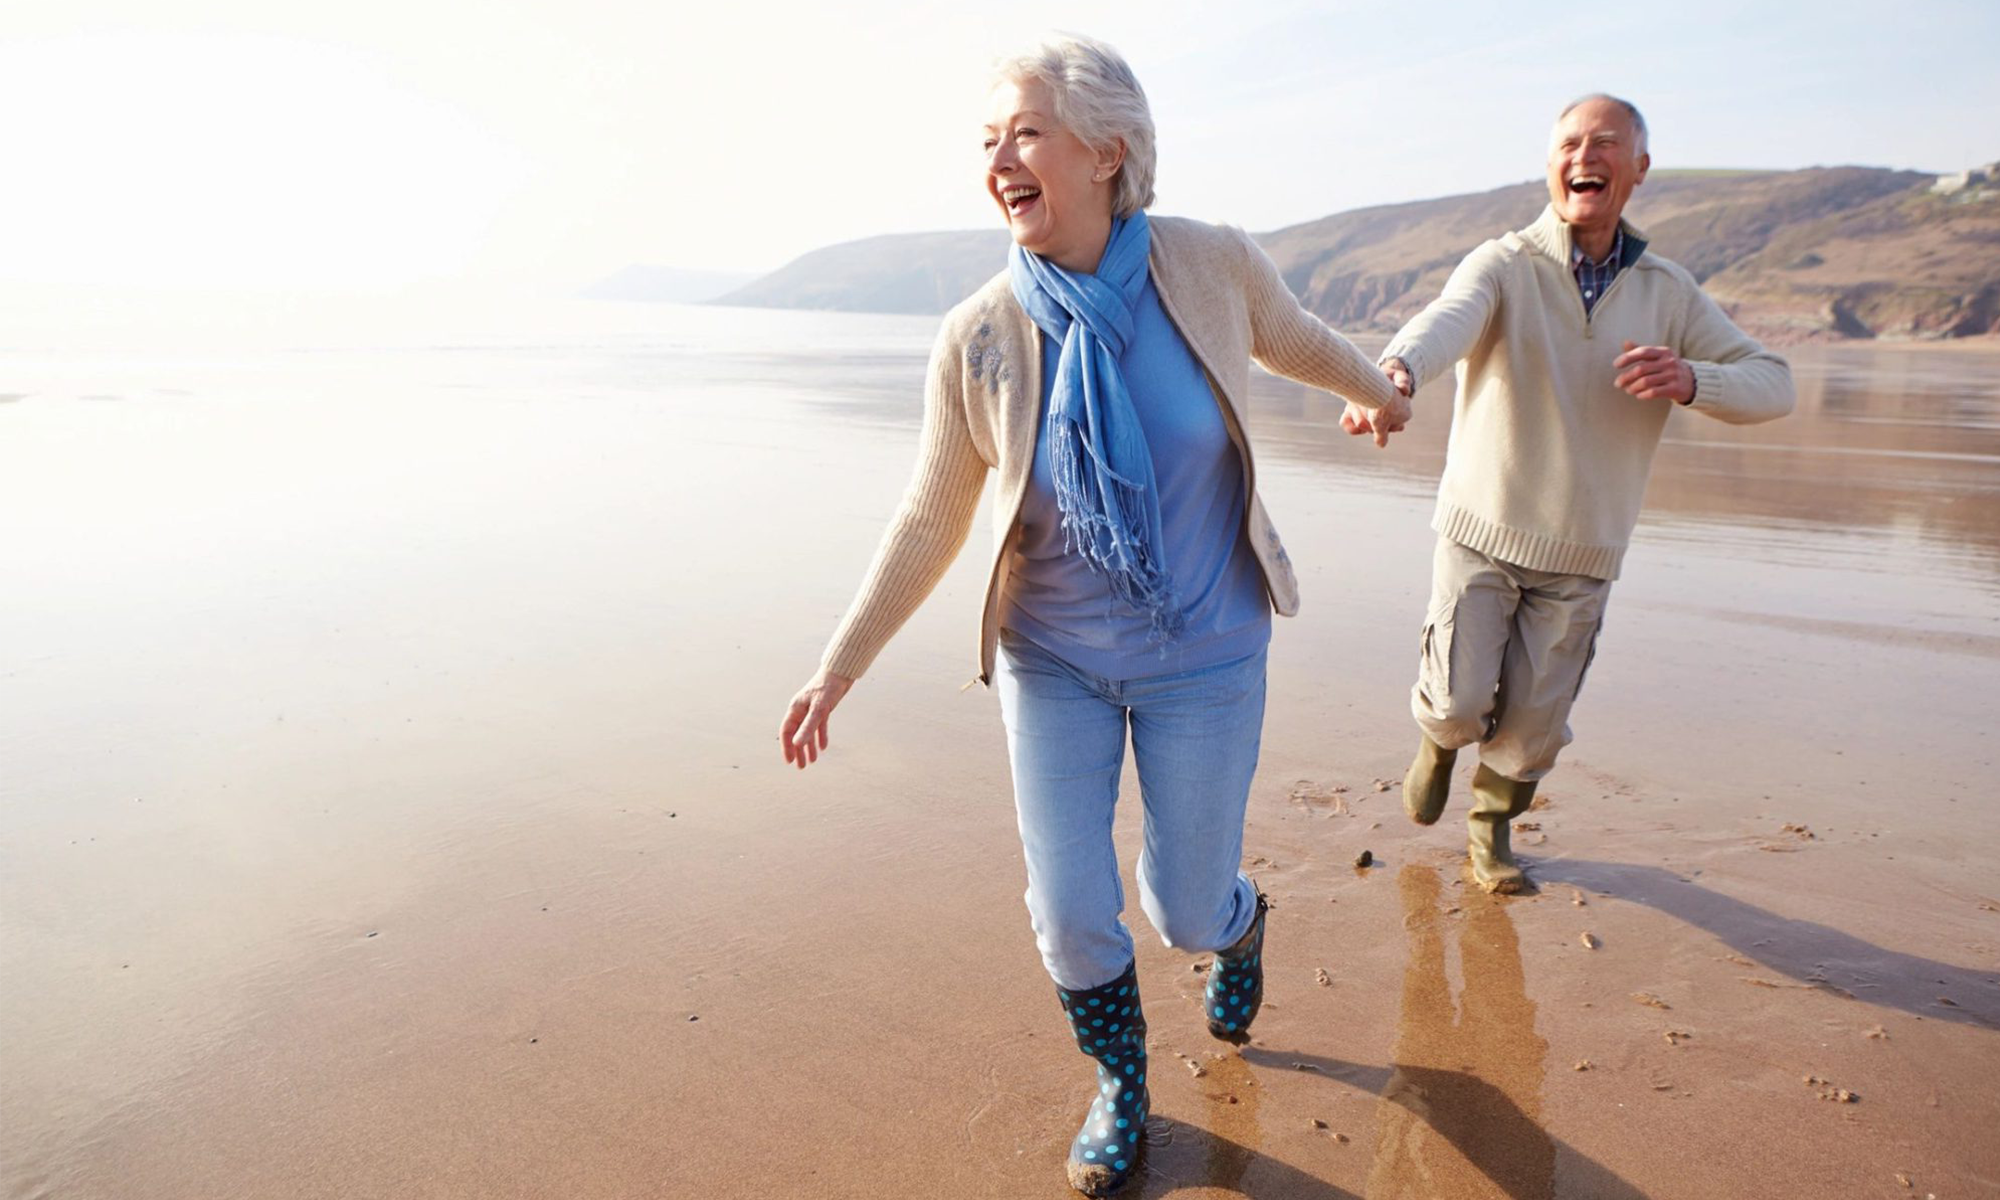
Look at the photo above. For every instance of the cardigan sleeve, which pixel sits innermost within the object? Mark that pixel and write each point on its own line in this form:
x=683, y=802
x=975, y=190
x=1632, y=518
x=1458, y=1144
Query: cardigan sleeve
x=930, y=524
x=1433, y=341
x=1735, y=379
x=1287, y=340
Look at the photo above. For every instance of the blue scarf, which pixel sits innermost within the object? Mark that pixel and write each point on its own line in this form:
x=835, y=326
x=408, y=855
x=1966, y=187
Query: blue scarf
x=1098, y=458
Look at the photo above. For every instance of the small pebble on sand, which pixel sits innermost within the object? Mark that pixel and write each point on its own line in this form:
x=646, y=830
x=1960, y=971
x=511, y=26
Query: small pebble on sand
x=1197, y=1070
x=1322, y=978
x=1526, y=826
x=1318, y=1124
x=1365, y=859
x=1650, y=1000
x=1582, y=1064
x=1589, y=940
x=1576, y=897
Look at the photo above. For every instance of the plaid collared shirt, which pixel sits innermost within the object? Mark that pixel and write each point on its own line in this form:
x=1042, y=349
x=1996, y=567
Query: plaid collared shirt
x=1592, y=278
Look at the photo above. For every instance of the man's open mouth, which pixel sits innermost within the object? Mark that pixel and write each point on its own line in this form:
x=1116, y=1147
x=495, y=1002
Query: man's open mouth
x=1587, y=183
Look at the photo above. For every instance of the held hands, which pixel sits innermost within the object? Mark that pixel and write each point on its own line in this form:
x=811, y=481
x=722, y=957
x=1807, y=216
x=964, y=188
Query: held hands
x=1398, y=372
x=1390, y=418
x=804, y=731
x=1654, y=373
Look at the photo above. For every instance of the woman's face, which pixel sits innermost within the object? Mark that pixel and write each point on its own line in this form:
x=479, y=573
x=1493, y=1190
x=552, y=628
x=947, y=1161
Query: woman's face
x=1054, y=191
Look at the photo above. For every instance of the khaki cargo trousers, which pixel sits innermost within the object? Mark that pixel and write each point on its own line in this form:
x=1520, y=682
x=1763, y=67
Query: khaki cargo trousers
x=1505, y=650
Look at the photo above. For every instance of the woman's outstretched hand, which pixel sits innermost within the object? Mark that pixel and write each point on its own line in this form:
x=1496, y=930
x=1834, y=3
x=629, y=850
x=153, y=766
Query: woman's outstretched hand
x=804, y=731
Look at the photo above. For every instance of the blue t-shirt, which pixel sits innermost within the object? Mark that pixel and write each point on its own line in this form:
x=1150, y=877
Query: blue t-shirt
x=1053, y=597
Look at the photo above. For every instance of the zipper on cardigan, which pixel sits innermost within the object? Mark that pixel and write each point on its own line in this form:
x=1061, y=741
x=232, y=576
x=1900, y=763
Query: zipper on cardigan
x=1589, y=315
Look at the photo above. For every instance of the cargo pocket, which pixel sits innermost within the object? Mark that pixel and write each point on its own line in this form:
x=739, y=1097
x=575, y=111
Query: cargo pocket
x=1434, y=670
x=1589, y=656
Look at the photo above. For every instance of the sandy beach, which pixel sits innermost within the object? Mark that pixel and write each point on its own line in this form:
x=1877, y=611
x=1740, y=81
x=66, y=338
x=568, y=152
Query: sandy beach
x=390, y=804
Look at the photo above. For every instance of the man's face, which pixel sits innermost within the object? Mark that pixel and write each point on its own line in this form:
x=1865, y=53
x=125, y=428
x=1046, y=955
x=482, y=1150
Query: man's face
x=1594, y=163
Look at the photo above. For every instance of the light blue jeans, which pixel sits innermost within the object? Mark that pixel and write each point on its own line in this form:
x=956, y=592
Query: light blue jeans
x=1195, y=738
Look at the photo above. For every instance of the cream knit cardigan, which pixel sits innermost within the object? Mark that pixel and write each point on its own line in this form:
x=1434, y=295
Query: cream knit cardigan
x=983, y=402
x=1548, y=459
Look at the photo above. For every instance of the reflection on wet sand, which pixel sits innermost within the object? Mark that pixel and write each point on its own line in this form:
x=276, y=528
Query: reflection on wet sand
x=1460, y=1115
x=1461, y=1109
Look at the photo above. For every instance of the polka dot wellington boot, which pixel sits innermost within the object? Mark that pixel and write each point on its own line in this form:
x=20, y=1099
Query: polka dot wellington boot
x=1236, y=982
x=1110, y=1028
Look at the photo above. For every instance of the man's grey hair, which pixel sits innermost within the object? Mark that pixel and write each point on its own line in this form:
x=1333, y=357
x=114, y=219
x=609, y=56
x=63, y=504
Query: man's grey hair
x=1631, y=110
x=1097, y=98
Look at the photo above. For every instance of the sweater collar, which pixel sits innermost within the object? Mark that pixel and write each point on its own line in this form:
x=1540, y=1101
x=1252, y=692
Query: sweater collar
x=1551, y=235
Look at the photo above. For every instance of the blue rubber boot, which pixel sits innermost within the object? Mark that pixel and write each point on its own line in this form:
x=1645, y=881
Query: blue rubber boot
x=1236, y=982
x=1110, y=1028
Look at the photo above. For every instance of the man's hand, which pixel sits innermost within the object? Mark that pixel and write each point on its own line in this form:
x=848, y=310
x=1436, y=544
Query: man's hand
x=1392, y=417
x=1398, y=372
x=1654, y=373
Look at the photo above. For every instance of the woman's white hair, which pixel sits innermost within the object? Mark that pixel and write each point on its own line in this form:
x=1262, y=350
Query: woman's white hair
x=1098, y=99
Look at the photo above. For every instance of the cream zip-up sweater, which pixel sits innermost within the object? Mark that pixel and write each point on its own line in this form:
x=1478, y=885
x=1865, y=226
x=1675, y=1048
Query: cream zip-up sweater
x=983, y=401
x=1547, y=463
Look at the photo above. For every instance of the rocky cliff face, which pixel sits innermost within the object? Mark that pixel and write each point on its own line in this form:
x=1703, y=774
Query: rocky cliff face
x=1820, y=254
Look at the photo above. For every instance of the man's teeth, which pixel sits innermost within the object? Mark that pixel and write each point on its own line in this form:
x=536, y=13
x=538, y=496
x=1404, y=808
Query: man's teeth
x=1586, y=183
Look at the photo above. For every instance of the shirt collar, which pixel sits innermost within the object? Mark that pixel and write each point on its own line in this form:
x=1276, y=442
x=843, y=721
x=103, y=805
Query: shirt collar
x=1614, y=259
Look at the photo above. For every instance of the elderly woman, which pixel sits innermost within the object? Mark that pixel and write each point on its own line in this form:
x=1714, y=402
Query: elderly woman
x=1106, y=376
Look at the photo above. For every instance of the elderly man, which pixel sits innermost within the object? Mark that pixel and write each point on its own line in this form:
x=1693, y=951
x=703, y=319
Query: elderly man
x=1572, y=342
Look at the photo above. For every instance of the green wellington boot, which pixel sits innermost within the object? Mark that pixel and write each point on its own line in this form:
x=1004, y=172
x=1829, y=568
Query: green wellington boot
x=1496, y=801
x=1428, y=783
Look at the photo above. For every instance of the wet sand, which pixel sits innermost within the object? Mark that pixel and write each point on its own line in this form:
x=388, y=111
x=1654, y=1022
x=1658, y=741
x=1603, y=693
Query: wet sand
x=390, y=809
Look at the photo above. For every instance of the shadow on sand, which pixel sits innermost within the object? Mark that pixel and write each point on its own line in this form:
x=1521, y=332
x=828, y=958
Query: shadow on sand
x=1811, y=953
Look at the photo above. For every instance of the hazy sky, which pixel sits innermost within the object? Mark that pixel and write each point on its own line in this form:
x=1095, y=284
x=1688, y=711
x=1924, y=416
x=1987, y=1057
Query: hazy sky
x=364, y=145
